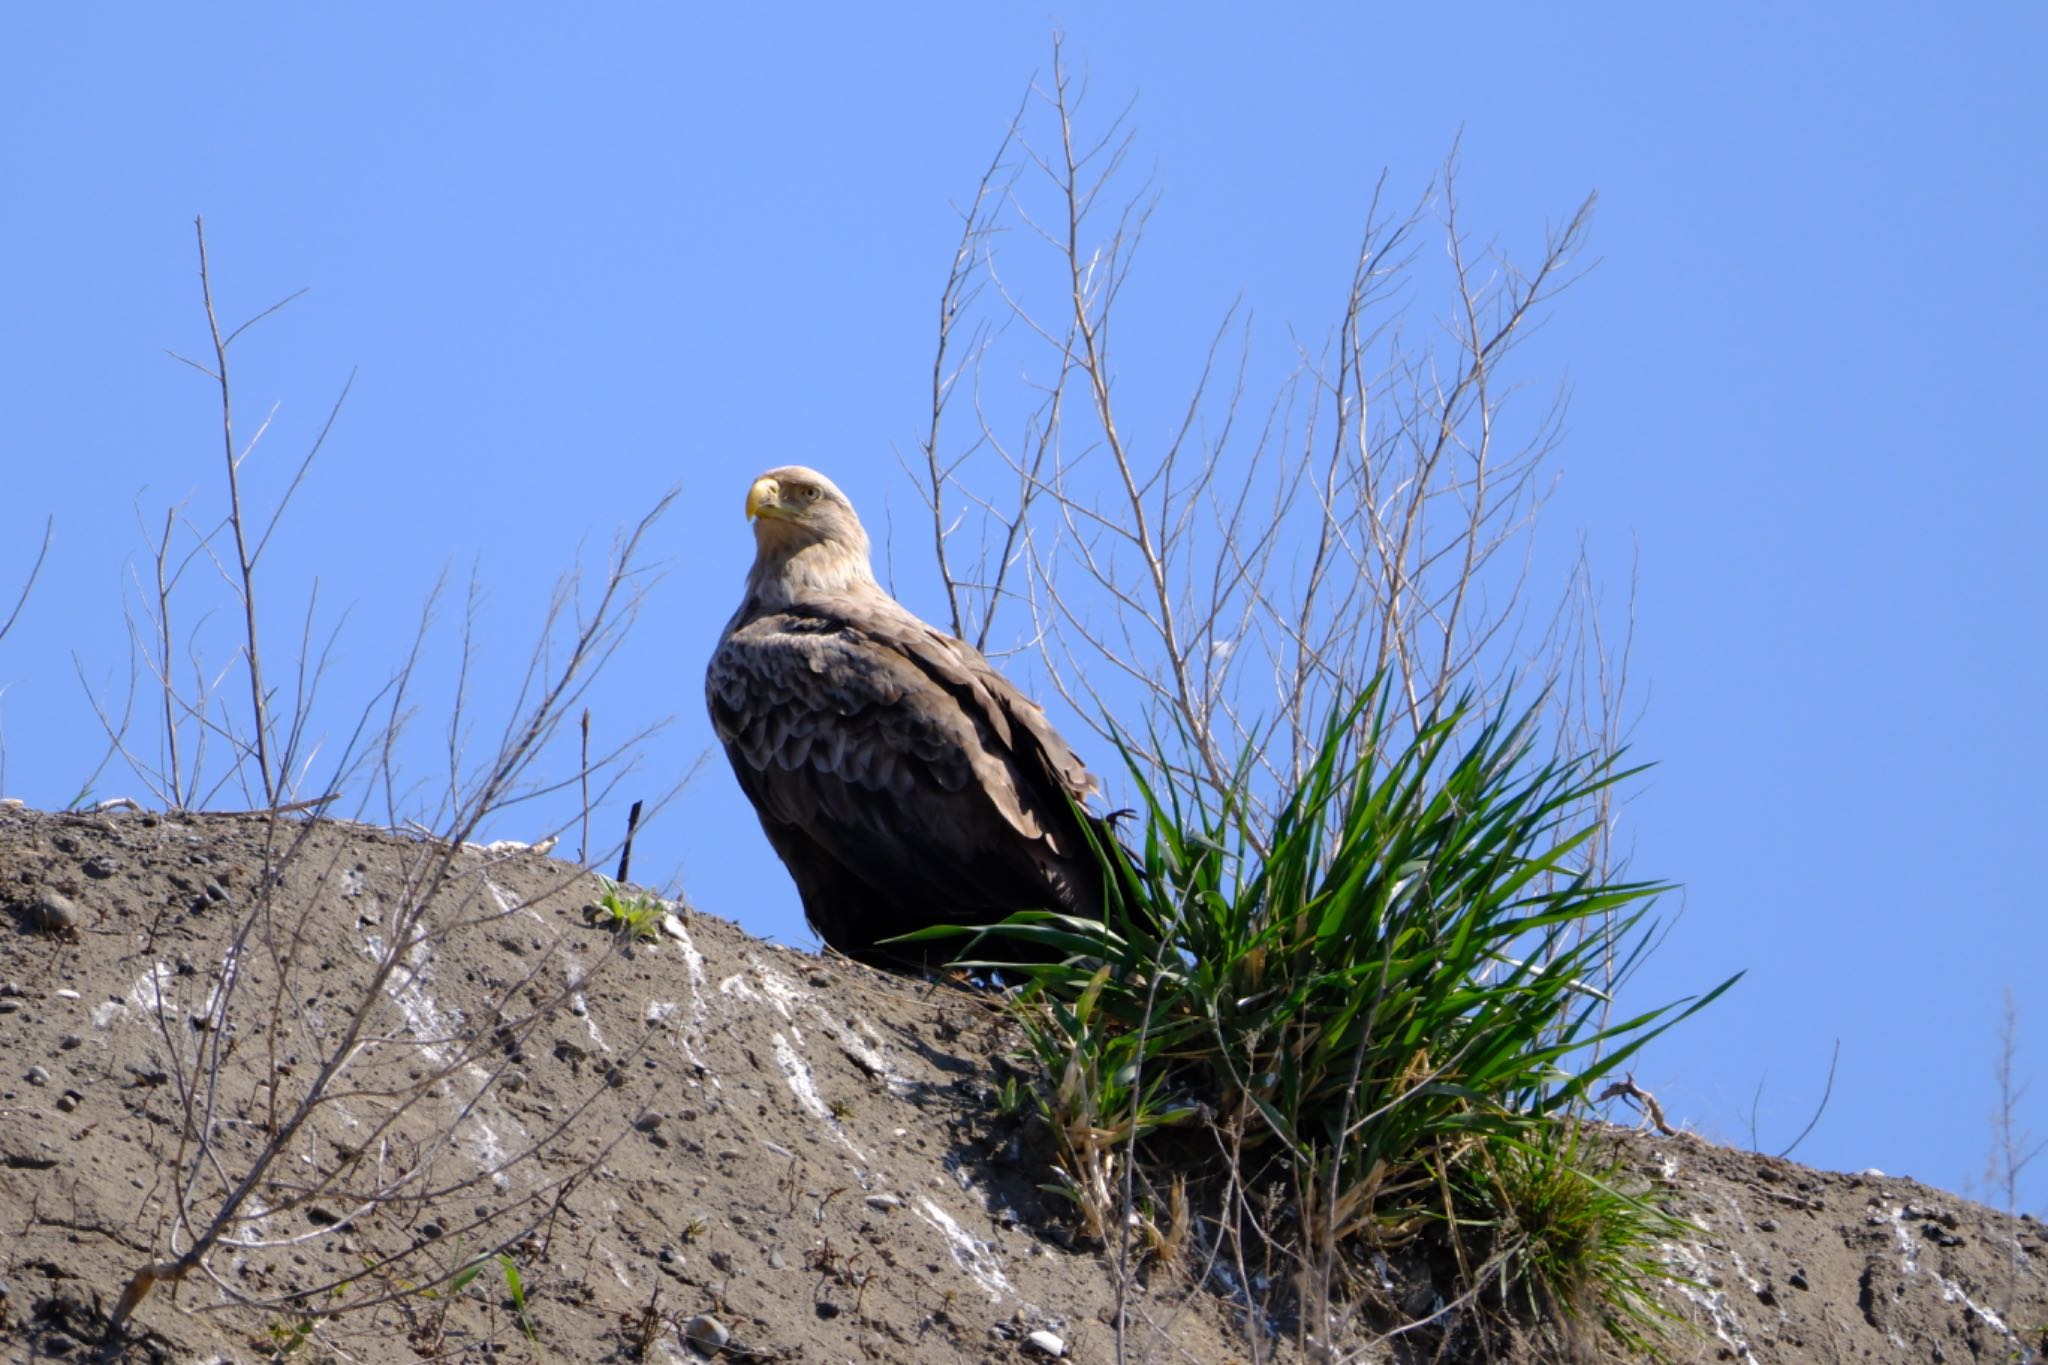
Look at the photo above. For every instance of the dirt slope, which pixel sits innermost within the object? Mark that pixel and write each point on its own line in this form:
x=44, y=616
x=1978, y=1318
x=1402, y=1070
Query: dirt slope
x=725, y=1137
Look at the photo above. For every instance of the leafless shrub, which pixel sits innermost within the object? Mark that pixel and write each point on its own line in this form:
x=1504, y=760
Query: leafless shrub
x=2013, y=1146
x=1217, y=581
x=28, y=584
x=362, y=1048
x=268, y=752
x=312, y=1098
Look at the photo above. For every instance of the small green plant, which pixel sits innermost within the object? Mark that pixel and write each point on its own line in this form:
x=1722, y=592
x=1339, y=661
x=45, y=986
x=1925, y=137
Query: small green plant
x=515, y=1287
x=1571, y=1245
x=635, y=916
x=1391, y=993
x=286, y=1337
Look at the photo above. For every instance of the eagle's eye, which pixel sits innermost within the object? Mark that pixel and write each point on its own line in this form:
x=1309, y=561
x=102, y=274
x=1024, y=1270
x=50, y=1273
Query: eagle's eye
x=810, y=492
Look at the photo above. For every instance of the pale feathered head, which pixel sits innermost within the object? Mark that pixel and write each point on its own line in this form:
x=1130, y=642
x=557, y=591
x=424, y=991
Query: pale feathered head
x=807, y=539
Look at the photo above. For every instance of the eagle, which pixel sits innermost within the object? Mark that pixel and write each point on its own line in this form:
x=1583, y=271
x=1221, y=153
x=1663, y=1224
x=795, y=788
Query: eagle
x=903, y=781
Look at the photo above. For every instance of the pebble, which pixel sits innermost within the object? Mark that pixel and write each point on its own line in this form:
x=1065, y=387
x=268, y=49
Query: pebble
x=884, y=1202
x=38, y=1076
x=69, y=1100
x=1045, y=1343
x=706, y=1333
x=54, y=913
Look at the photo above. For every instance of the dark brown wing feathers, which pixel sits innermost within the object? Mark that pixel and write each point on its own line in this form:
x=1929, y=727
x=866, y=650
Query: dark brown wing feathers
x=903, y=781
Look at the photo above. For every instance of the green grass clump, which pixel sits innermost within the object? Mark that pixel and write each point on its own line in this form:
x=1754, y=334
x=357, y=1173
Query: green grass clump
x=1388, y=995
x=630, y=916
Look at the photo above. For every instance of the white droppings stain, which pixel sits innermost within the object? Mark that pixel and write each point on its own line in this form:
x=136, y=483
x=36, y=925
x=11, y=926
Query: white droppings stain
x=977, y=1258
x=693, y=967
x=1951, y=1292
x=797, y=1073
x=223, y=985
x=785, y=994
x=1756, y=1286
x=1692, y=1264
x=407, y=987
x=151, y=993
x=580, y=1007
x=507, y=902
x=104, y=1015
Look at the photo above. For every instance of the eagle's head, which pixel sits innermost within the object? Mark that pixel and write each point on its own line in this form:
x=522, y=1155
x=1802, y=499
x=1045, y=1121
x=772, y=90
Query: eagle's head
x=807, y=539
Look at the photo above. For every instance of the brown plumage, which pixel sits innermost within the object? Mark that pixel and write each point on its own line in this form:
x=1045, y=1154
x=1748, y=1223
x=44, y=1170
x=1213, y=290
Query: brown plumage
x=903, y=781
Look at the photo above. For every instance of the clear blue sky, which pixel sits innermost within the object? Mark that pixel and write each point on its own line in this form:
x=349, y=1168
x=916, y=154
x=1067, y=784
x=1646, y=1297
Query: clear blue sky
x=582, y=254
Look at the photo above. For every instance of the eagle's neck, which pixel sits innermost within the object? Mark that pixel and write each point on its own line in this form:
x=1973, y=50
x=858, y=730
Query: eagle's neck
x=784, y=576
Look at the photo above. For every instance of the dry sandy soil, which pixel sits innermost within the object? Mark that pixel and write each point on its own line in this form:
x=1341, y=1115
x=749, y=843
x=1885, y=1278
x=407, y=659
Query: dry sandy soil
x=696, y=1139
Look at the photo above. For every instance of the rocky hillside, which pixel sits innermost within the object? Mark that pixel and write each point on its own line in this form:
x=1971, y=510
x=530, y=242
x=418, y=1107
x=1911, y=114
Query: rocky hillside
x=665, y=1146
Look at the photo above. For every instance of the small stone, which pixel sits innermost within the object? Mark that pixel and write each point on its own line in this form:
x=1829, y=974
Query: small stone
x=1797, y=1279
x=884, y=1202
x=1768, y=1225
x=99, y=867
x=9, y=1004
x=38, y=1076
x=69, y=1100
x=70, y=1042
x=827, y=1309
x=54, y=913
x=1045, y=1343
x=706, y=1333
x=776, y=1261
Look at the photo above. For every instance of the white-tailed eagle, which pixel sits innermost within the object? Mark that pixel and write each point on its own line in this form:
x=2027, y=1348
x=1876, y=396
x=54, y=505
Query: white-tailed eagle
x=903, y=781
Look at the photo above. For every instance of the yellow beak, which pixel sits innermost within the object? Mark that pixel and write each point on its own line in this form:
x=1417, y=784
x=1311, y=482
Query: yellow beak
x=765, y=494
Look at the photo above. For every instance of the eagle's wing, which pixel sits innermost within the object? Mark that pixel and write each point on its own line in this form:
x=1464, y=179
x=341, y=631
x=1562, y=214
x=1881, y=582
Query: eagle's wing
x=900, y=753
